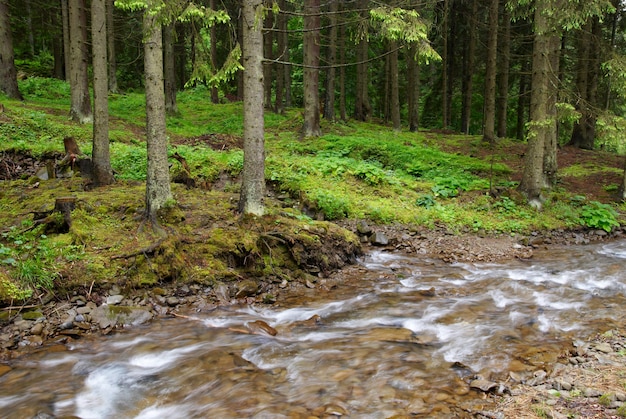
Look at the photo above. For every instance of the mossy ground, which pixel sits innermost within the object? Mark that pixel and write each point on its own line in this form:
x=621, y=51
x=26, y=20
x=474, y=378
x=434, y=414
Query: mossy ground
x=354, y=171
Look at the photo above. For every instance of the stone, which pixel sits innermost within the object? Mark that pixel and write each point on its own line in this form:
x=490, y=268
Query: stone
x=107, y=316
x=484, y=385
x=262, y=327
x=247, y=288
x=37, y=329
x=32, y=315
x=604, y=347
x=172, y=301
x=363, y=228
x=114, y=299
x=379, y=239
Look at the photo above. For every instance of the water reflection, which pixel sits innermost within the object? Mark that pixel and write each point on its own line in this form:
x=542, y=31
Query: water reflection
x=398, y=337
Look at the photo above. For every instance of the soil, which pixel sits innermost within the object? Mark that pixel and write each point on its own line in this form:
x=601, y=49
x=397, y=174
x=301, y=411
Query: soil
x=439, y=243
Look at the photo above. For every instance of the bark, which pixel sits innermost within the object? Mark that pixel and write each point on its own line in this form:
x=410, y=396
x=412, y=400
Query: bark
x=169, y=68
x=414, y=89
x=65, y=16
x=489, y=122
x=29, y=28
x=8, y=73
x=503, y=77
x=522, y=100
x=550, y=165
x=622, y=189
x=80, y=107
x=584, y=132
x=57, y=45
x=111, y=54
x=362, y=107
x=281, y=43
x=532, y=175
x=213, y=34
x=158, y=190
x=329, y=104
x=394, y=86
x=468, y=72
x=311, y=125
x=102, y=172
x=342, y=74
x=253, y=176
x=268, y=53
x=445, y=109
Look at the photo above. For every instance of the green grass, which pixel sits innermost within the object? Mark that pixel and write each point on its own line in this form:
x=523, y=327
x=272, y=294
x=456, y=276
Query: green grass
x=355, y=170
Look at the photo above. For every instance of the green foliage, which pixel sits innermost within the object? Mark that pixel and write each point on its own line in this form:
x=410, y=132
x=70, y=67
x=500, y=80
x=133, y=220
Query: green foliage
x=129, y=162
x=32, y=258
x=333, y=206
x=427, y=201
x=598, y=215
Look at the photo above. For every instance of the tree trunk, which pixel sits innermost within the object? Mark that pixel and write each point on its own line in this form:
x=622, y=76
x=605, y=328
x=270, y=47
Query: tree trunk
x=169, y=68
x=329, y=105
x=102, y=172
x=622, y=189
x=281, y=44
x=584, y=132
x=80, y=107
x=532, y=176
x=268, y=53
x=29, y=28
x=112, y=56
x=489, y=121
x=8, y=74
x=503, y=78
x=394, y=86
x=550, y=165
x=57, y=45
x=253, y=177
x=362, y=108
x=213, y=33
x=445, y=115
x=468, y=72
x=65, y=16
x=414, y=89
x=342, y=74
x=522, y=100
x=158, y=190
x=311, y=125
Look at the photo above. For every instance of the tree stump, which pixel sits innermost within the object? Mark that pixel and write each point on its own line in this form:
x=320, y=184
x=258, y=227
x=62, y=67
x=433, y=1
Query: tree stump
x=65, y=205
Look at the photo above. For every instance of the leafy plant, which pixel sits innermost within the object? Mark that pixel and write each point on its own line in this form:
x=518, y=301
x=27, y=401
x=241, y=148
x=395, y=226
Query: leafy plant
x=598, y=215
x=333, y=206
x=426, y=201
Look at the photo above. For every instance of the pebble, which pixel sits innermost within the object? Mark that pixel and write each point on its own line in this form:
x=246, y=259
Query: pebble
x=604, y=347
x=37, y=329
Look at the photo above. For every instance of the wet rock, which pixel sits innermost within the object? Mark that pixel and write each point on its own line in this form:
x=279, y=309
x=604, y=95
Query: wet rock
x=37, y=329
x=108, y=316
x=114, y=299
x=379, y=239
x=261, y=327
x=363, y=228
x=172, y=301
x=32, y=315
x=222, y=292
x=247, y=288
x=483, y=385
x=23, y=325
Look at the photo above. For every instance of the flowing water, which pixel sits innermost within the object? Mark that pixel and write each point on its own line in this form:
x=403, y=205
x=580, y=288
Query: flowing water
x=400, y=336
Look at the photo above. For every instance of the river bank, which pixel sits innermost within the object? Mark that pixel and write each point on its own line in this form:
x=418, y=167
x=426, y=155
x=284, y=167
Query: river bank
x=579, y=380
